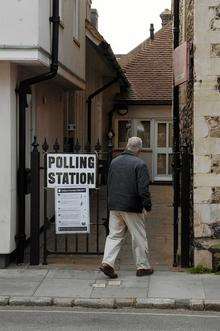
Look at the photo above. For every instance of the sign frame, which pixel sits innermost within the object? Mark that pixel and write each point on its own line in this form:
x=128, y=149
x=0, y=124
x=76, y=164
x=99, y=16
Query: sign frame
x=72, y=176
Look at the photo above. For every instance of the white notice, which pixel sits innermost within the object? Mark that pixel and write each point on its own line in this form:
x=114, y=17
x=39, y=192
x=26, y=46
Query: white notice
x=72, y=210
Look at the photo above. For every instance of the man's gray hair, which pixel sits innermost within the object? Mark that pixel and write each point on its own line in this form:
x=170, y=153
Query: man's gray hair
x=134, y=144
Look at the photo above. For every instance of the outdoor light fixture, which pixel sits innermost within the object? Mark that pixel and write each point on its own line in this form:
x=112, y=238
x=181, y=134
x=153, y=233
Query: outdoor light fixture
x=111, y=134
x=123, y=110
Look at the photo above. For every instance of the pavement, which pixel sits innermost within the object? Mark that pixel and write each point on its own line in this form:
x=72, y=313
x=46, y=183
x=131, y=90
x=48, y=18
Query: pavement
x=68, y=287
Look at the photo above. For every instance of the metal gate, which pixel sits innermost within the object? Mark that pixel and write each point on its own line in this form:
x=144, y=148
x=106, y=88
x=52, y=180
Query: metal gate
x=44, y=241
x=186, y=157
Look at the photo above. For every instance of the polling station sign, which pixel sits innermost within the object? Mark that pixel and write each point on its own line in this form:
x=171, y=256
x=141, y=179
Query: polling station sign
x=71, y=170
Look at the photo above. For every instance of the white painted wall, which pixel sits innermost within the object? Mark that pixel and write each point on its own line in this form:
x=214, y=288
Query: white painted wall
x=25, y=26
x=8, y=157
x=19, y=22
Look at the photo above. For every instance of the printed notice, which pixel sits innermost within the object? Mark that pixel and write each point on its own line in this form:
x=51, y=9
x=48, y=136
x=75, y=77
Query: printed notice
x=72, y=210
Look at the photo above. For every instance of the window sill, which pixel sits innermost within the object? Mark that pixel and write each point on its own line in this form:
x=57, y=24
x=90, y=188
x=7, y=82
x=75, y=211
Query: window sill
x=76, y=42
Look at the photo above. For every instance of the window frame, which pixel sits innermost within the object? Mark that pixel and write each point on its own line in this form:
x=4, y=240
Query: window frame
x=162, y=150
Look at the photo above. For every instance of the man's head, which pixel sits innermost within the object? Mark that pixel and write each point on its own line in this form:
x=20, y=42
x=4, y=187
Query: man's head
x=134, y=145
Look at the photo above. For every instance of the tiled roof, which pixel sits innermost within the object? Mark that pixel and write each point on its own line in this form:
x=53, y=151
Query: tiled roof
x=148, y=68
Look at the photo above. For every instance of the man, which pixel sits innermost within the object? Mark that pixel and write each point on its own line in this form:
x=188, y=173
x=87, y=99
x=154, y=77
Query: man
x=128, y=200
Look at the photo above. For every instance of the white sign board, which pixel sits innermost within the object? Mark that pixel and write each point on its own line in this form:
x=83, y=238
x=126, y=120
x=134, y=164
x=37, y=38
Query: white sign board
x=71, y=170
x=72, y=210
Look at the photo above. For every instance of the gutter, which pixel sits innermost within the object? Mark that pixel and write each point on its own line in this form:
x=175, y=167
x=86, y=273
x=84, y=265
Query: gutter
x=22, y=91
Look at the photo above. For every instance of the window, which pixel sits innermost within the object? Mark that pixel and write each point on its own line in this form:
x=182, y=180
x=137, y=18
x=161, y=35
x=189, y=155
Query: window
x=129, y=128
x=163, y=151
x=124, y=132
x=143, y=132
x=76, y=19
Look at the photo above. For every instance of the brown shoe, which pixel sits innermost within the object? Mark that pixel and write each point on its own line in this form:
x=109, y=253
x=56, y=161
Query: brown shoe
x=144, y=272
x=108, y=271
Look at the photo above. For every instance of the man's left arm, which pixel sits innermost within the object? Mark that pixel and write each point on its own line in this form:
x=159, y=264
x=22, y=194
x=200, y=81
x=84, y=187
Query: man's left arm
x=143, y=186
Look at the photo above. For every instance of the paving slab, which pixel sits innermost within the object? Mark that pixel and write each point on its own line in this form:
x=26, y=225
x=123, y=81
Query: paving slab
x=17, y=287
x=211, y=285
x=136, y=283
x=176, y=286
x=72, y=274
x=65, y=288
x=33, y=275
x=119, y=292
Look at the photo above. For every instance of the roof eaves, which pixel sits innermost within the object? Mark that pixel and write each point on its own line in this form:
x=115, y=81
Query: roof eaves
x=105, y=49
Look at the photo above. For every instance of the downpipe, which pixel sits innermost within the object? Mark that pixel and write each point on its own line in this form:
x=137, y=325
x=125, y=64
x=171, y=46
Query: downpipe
x=89, y=102
x=176, y=142
x=22, y=91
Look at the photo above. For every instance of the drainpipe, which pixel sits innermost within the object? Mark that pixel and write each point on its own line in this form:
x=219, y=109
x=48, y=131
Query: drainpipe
x=89, y=101
x=22, y=91
x=176, y=141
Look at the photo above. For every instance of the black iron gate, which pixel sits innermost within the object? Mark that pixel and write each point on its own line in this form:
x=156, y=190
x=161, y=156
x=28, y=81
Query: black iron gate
x=49, y=243
x=186, y=205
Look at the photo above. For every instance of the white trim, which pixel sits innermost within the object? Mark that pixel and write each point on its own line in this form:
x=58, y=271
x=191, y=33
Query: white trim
x=162, y=150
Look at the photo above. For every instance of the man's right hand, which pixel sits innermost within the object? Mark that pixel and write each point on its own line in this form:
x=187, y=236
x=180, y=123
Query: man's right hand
x=145, y=213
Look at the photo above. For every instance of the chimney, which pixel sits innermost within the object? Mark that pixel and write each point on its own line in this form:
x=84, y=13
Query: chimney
x=166, y=17
x=152, y=31
x=94, y=17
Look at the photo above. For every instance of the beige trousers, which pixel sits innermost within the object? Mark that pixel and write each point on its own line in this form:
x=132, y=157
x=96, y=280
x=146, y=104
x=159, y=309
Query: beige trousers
x=119, y=222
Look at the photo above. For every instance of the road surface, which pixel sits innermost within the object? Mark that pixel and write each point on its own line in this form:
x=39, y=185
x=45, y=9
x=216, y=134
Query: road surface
x=129, y=320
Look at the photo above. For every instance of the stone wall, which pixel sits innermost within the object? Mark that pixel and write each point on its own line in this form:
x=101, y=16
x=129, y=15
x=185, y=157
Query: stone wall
x=206, y=128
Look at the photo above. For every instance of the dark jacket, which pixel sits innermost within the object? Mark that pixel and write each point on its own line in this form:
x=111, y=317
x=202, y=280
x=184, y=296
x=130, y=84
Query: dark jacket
x=128, y=184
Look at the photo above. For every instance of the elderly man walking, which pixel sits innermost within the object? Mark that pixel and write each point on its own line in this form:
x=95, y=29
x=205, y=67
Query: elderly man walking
x=128, y=200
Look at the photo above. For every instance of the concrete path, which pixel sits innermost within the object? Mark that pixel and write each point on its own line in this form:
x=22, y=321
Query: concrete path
x=68, y=287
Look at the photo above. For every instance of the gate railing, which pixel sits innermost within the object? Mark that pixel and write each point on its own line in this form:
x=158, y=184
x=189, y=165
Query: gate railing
x=51, y=243
x=186, y=205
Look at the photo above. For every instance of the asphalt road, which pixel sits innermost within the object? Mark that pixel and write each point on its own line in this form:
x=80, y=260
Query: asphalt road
x=54, y=319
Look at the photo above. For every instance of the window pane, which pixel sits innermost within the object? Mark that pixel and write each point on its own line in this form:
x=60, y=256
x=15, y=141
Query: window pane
x=170, y=135
x=170, y=169
x=143, y=132
x=76, y=19
x=162, y=135
x=124, y=133
x=161, y=164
